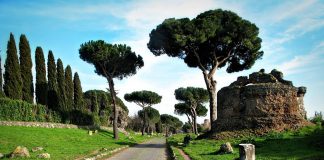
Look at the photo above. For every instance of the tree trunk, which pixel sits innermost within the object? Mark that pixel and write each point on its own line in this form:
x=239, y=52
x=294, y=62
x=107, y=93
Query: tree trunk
x=190, y=122
x=143, y=129
x=144, y=122
x=195, y=121
x=148, y=126
x=211, y=88
x=149, y=130
x=113, y=97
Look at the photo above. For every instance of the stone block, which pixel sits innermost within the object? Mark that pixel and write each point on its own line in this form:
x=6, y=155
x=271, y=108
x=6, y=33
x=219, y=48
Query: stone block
x=247, y=151
x=44, y=156
x=20, y=152
x=35, y=149
x=226, y=148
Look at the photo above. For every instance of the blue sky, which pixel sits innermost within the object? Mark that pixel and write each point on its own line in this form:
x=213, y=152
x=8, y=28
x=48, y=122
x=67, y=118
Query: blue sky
x=292, y=32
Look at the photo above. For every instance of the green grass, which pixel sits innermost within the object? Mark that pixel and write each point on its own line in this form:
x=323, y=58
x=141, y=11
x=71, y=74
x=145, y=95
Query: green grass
x=177, y=154
x=61, y=143
x=306, y=143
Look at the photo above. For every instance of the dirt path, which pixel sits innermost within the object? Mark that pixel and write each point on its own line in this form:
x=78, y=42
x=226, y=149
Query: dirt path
x=184, y=155
x=154, y=149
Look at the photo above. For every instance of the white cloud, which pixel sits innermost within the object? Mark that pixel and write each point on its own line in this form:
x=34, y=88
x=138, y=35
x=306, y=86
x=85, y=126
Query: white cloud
x=139, y=15
x=305, y=62
x=73, y=12
x=291, y=9
x=151, y=13
x=281, y=25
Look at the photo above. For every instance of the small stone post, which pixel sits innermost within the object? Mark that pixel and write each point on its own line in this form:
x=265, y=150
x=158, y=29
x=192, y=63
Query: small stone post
x=247, y=152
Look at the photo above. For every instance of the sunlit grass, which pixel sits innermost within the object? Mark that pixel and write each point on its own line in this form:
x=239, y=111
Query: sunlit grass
x=61, y=143
x=306, y=143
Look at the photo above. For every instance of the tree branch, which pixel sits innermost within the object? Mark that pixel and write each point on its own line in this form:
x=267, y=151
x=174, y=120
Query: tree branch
x=107, y=75
x=197, y=56
x=212, y=71
x=229, y=53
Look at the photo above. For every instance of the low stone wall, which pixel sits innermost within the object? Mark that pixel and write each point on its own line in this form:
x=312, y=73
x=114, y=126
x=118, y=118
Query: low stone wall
x=56, y=125
x=42, y=124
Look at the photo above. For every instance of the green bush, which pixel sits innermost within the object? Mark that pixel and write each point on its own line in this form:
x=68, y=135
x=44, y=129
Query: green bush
x=81, y=117
x=318, y=118
x=274, y=135
x=17, y=110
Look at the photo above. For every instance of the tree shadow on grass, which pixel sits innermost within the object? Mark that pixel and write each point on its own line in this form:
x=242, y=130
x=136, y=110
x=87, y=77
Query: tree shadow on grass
x=210, y=153
x=215, y=153
x=309, y=145
x=106, y=134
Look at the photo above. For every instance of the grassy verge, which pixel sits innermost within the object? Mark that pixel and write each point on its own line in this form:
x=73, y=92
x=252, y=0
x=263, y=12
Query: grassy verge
x=306, y=143
x=177, y=154
x=62, y=143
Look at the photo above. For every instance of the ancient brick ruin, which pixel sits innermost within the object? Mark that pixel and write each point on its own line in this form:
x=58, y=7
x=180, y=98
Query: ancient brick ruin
x=261, y=102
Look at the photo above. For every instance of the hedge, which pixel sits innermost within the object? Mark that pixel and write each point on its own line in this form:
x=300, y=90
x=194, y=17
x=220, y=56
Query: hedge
x=17, y=110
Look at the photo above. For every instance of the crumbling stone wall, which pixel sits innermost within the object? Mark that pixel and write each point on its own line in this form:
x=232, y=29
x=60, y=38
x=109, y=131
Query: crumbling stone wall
x=261, y=101
x=122, y=118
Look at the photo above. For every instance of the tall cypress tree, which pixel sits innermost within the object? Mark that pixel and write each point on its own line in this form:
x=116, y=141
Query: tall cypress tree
x=69, y=88
x=41, y=82
x=61, y=86
x=26, y=70
x=1, y=90
x=12, y=78
x=52, y=95
x=78, y=94
x=94, y=102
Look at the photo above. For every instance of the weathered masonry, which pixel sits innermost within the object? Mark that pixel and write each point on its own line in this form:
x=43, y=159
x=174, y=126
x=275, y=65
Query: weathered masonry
x=261, y=101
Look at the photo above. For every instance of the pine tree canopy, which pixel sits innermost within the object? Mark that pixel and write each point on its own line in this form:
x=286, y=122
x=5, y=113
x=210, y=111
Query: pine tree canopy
x=143, y=98
x=116, y=61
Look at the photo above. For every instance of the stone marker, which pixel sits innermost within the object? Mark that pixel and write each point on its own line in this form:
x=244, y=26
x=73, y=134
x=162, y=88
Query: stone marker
x=247, y=152
x=226, y=148
x=90, y=133
x=20, y=152
x=35, y=149
x=44, y=155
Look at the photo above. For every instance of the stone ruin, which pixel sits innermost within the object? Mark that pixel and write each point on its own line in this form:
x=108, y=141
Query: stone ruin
x=261, y=102
x=206, y=124
x=122, y=118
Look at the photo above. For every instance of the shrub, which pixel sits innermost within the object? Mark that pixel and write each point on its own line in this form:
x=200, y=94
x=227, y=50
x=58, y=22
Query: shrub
x=318, y=118
x=81, y=118
x=274, y=135
x=17, y=110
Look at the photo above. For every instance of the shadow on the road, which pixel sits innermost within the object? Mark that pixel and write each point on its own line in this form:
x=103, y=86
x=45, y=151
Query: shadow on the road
x=126, y=143
x=150, y=146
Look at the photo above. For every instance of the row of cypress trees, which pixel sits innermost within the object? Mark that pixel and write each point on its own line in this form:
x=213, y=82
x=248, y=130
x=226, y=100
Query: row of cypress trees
x=59, y=91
